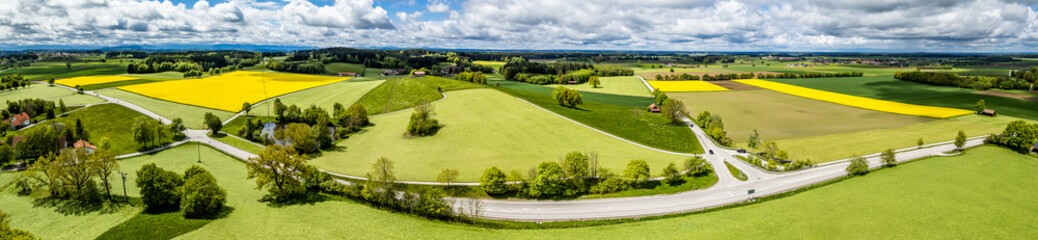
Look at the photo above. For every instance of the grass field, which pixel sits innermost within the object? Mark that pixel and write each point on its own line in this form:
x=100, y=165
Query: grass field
x=347, y=93
x=403, y=93
x=781, y=116
x=228, y=91
x=735, y=171
x=337, y=67
x=626, y=85
x=40, y=70
x=46, y=92
x=118, y=84
x=105, y=120
x=860, y=102
x=838, y=146
x=483, y=128
x=90, y=80
x=631, y=123
x=192, y=115
x=986, y=188
x=686, y=86
x=159, y=75
x=890, y=89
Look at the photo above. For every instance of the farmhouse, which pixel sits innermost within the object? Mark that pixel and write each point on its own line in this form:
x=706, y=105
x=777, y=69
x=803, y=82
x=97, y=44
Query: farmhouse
x=1034, y=148
x=654, y=108
x=418, y=74
x=988, y=112
x=572, y=82
x=348, y=74
x=84, y=144
x=391, y=72
x=19, y=120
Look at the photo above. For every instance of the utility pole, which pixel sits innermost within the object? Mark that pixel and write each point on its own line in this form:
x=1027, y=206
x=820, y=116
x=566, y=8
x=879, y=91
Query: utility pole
x=199, y=148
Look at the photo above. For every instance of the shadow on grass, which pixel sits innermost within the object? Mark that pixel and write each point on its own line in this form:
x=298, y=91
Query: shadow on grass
x=79, y=208
x=300, y=199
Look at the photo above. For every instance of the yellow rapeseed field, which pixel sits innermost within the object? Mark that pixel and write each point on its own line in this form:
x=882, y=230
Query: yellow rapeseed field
x=89, y=80
x=855, y=101
x=228, y=91
x=686, y=86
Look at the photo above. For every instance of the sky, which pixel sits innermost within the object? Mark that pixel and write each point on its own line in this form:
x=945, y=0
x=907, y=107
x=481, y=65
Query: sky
x=664, y=25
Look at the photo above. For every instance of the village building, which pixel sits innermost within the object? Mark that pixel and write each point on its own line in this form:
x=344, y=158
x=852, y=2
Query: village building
x=19, y=120
x=988, y=112
x=654, y=108
x=418, y=74
x=84, y=144
x=348, y=74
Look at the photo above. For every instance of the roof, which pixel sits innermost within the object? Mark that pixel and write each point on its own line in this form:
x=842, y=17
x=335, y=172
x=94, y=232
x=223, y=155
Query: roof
x=1036, y=144
x=21, y=117
x=83, y=143
x=347, y=73
x=419, y=72
x=654, y=105
x=989, y=110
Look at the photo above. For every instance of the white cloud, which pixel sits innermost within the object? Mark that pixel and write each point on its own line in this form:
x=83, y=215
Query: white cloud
x=438, y=7
x=799, y=25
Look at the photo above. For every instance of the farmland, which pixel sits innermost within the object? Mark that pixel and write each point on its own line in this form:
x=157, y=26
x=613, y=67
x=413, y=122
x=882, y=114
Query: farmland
x=403, y=93
x=861, y=102
x=890, y=89
x=90, y=80
x=781, y=116
x=834, y=147
x=228, y=91
x=325, y=97
x=192, y=115
x=627, y=85
x=41, y=70
x=43, y=91
x=505, y=132
x=686, y=86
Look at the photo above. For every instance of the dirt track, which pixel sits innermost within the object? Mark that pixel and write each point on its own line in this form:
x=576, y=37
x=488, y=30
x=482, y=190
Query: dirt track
x=1010, y=95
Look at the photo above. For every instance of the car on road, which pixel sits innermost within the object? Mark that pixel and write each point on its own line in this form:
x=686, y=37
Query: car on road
x=741, y=150
x=711, y=152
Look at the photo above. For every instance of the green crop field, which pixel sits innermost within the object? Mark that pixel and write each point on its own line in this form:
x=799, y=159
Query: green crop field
x=46, y=92
x=631, y=123
x=840, y=146
x=978, y=195
x=105, y=120
x=403, y=93
x=92, y=87
x=40, y=70
x=337, y=67
x=192, y=115
x=346, y=92
x=482, y=128
x=780, y=116
x=589, y=96
x=171, y=75
x=627, y=85
x=888, y=88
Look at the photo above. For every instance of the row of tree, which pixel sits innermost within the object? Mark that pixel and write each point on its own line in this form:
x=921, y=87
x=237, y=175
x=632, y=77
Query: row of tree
x=71, y=175
x=579, y=173
x=14, y=81
x=473, y=77
x=34, y=107
x=50, y=139
x=713, y=125
x=771, y=157
x=1018, y=135
x=311, y=66
x=973, y=82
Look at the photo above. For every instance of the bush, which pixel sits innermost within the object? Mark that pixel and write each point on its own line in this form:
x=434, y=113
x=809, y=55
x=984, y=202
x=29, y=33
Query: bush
x=548, y=181
x=567, y=97
x=858, y=166
x=493, y=181
x=670, y=174
x=422, y=123
x=159, y=188
x=610, y=185
x=201, y=196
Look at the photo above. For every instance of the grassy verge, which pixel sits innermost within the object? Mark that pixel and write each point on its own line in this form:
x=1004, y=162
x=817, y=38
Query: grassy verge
x=117, y=84
x=238, y=143
x=630, y=123
x=735, y=171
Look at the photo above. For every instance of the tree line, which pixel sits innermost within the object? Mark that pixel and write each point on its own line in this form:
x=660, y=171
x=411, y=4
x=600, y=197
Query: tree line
x=578, y=173
x=14, y=81
x=972, y=82
x=223, y=61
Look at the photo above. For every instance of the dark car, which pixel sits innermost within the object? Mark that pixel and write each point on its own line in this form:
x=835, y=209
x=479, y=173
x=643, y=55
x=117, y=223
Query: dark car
x=711, y=151
x=741, y=150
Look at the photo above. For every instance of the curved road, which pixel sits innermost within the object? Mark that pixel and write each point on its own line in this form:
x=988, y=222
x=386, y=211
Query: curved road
x=726, y=191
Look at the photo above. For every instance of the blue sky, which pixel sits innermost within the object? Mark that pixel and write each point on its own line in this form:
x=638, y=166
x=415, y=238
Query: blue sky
x=681, y=25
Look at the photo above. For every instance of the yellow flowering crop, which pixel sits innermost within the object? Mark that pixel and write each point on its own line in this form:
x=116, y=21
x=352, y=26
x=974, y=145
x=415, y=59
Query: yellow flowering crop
x=686, y=86
x=83, y=81
x=228, y=91
x=855, y=101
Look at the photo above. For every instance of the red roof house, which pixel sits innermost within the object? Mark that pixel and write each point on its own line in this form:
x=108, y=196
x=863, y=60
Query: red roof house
x=83, y=143
x=654, y=108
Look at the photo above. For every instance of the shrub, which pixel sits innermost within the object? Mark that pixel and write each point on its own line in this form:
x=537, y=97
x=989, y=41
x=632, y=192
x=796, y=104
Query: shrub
x=567, y=97
x=548, y=181
x=422, y=123
x=493, y=181
x=637, y=170
x=201, y=196
x=159, y=188
x=858, y=166
x=670, y=174
x=610, y=185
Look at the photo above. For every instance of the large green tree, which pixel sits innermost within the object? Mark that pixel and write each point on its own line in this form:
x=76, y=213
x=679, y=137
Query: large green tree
x=213, y=123
x=159, y=188
x=548, y=182
x=858, y=166
x=201, y=197
x=493, y=181
x=279, y=169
